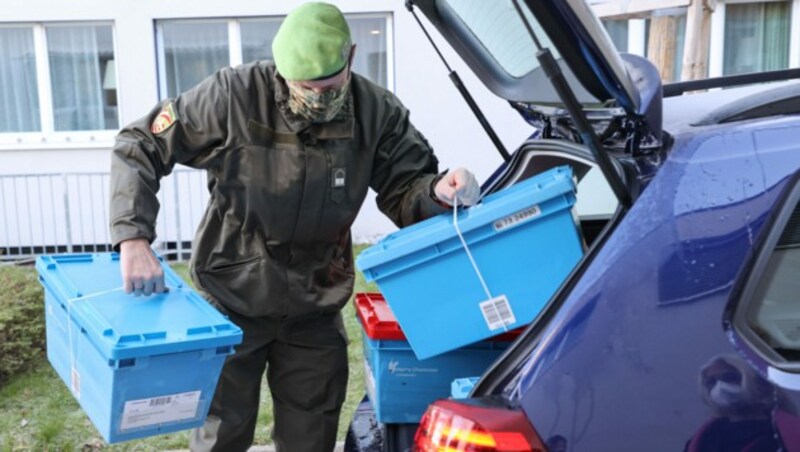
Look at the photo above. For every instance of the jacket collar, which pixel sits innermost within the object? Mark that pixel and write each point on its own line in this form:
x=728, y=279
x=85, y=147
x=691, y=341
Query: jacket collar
x=333, y=130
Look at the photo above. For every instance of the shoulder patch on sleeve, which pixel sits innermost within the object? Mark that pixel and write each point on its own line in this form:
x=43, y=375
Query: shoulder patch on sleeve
x=165, y=119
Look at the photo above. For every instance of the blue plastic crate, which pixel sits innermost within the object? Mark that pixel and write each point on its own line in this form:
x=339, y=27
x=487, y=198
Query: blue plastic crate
x=461, y=387
x=399, y=385
x=138, y=366
x=525, y=242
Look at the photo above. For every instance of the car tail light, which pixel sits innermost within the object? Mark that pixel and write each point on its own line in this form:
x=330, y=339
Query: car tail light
x=450, y=426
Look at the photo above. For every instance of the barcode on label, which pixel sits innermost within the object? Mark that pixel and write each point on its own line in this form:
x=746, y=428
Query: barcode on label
x=158, y=401
x=160, y=410
x=497, y=312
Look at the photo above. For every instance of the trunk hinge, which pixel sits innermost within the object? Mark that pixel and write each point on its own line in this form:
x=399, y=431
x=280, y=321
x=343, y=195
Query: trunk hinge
x=587, y=133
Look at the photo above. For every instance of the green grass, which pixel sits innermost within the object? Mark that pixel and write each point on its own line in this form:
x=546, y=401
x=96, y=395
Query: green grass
x=21, y=321
x=39, y=413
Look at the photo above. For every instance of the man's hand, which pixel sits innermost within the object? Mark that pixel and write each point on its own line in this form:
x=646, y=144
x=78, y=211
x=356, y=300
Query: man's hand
x=460, y=183
x=141, y=271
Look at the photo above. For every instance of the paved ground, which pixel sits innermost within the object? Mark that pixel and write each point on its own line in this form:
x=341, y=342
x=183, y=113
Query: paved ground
x=339, y=448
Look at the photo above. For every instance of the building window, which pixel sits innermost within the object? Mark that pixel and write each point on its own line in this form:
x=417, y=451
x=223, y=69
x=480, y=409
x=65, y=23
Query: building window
x=19, y=98
x=191, y=50
x=370, y=36
x=756, y=37
x=257, y=36
x=57, y=78
x=80, y=58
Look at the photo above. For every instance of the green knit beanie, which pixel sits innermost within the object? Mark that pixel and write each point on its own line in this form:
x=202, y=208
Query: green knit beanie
x=312, y=42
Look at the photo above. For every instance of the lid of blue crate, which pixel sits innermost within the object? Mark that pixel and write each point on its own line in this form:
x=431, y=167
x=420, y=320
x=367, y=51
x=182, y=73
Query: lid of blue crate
x=123, y=326
x=502, y=209
x=73, y=275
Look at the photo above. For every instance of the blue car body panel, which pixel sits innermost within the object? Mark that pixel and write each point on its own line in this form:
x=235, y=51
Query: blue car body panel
x=619, y=366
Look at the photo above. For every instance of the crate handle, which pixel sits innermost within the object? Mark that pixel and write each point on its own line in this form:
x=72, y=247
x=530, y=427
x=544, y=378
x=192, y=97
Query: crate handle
x=199, y=330
x=73, y=258
x=49, y=264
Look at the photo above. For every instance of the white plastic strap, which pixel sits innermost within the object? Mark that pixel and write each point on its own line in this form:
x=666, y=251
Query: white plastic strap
x=74, y=375
x=489, y=296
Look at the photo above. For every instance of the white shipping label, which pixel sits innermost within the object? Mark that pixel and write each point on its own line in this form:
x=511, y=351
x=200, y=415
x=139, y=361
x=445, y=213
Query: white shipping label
x=160, y=410
x=497, y=312
x=517, y=217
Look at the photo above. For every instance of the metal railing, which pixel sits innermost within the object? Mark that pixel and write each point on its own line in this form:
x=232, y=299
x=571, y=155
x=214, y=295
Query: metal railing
x=68, y=213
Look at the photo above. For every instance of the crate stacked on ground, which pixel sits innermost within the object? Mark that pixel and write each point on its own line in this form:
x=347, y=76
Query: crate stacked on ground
x=399, y=385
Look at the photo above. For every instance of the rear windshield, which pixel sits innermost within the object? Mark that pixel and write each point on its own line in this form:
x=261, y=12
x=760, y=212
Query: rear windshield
x=502, y=33
x=494, y=41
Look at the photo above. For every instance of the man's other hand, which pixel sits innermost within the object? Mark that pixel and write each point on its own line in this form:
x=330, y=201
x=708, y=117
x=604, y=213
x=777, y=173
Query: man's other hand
x=141, y=271
x=460, y=184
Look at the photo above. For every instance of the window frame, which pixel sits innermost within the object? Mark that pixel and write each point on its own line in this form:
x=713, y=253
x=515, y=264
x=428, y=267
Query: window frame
x=236, y=52
x=736, y=319
x=48, y=137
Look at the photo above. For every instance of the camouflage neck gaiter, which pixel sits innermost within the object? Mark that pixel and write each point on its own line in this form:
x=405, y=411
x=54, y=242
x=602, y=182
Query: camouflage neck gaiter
x=317, y=106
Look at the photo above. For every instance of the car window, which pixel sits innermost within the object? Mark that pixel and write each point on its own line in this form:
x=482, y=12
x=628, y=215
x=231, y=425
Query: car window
x=594, y=197
x=774, y=313
x=495, y=42
x=501, y=31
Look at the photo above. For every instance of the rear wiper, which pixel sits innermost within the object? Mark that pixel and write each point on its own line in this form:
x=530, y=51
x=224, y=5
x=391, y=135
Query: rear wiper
x=588, y=136
x=463, y=90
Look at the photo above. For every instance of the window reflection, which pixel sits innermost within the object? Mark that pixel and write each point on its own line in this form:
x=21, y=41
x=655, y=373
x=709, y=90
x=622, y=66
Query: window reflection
x=79, y=58
x=257, y=36
x=19, y=93
x=192, y=50
x=369, y=34
x=756, y=37
x=618, y=32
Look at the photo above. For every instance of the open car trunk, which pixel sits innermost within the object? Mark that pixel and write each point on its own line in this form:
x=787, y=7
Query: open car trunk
x=535, y=156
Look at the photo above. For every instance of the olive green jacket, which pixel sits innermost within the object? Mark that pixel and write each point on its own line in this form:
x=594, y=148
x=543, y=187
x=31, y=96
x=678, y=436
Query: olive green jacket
x=275, y=238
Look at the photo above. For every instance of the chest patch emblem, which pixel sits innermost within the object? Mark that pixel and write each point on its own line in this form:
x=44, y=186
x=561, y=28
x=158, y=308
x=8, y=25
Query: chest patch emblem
x=338, y=177
x=165, y=119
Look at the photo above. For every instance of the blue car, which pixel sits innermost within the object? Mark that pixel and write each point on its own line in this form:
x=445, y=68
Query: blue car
x=679, y=329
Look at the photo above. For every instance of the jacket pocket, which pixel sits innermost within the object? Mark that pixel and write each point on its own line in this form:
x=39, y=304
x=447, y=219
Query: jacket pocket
x=226, y=267
x=239, y=286
x=263, y=135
